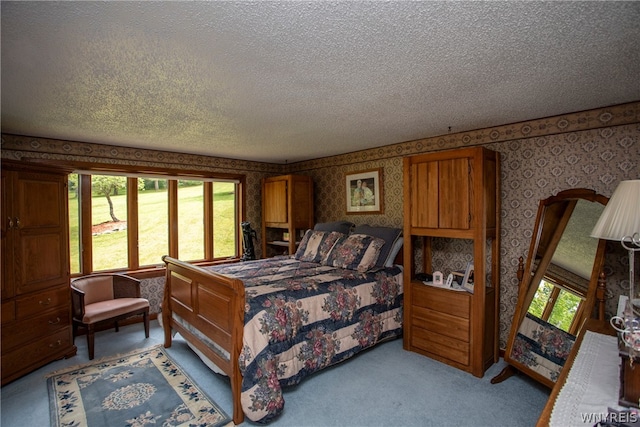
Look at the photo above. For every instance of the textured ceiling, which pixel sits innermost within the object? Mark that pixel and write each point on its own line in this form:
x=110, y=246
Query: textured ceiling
x=289, y=81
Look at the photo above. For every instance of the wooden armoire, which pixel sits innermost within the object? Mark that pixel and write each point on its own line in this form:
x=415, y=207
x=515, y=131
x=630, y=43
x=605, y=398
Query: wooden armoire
x=36, y=296
x=287, y=212
x=452, y=194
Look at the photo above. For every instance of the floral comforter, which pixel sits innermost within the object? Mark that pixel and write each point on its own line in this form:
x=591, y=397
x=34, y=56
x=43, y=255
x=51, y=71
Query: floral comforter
x=301, y=317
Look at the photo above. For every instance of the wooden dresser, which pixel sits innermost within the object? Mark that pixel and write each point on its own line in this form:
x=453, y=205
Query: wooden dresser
x=453, y=194
x=287, y=212
x=36, y=297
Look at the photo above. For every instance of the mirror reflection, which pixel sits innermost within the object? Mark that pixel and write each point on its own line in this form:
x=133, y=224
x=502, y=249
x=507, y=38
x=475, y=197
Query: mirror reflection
x=559, y=290
x=562, y=291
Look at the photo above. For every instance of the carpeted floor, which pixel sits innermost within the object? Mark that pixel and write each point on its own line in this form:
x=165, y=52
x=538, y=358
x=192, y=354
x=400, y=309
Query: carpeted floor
x=381, y=387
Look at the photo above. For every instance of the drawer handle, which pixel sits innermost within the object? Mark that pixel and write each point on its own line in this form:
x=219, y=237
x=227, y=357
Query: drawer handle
x=54, y=322
x=47, y=302
x=55, y=344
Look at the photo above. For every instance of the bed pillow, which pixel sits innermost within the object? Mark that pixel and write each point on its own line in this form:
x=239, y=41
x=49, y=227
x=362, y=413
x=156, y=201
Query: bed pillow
x=397, y=246
x=355, y=252
x=390, y=236
x=339, y=226
x=315, y=245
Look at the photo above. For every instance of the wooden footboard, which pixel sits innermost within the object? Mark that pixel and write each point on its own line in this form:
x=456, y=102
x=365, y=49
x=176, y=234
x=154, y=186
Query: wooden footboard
x=212, y=304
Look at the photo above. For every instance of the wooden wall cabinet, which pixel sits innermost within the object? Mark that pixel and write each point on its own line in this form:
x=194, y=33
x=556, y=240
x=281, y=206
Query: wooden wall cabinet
x=453, y=194
x=287, y=212
x=36, y=297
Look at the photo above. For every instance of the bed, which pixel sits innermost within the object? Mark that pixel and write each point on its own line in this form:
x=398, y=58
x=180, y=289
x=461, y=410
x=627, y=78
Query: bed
x=269, y=323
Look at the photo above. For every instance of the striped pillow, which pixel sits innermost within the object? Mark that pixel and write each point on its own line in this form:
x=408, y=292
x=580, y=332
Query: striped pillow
x=355, y=252
x=315, y=245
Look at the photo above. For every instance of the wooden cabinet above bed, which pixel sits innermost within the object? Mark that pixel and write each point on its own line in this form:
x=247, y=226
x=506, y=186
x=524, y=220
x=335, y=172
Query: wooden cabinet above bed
x=287, y=212
x=451, y=209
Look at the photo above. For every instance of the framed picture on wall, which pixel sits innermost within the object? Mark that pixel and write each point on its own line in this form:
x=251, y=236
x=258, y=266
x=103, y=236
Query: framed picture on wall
x=364, y=192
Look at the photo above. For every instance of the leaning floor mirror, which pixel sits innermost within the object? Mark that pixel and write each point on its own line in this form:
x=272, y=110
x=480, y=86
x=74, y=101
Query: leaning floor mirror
x=558, y=285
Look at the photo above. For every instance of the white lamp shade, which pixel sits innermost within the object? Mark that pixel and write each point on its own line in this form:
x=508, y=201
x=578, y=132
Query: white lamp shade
x=621, y=216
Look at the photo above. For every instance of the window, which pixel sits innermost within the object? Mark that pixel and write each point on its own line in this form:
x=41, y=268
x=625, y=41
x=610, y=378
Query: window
x=191, y=219
x=556, y=305
x=153, y=220
x=109, y=222
x=119, y=222
x=74, y=223
x=224, y=224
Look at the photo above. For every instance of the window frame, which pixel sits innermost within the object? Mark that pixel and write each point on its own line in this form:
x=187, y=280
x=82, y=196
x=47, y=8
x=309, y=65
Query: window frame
x=559, y=285
x=132, y=174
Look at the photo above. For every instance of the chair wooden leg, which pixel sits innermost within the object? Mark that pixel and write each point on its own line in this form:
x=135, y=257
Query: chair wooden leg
x=90, y=340
x=145, y=316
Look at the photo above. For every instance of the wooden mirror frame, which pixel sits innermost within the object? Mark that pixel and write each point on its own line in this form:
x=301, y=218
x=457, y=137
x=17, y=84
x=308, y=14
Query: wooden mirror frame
x=530, y=278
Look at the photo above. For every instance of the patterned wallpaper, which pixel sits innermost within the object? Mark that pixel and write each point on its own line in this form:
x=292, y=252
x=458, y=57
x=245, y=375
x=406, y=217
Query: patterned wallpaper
x=594, y=149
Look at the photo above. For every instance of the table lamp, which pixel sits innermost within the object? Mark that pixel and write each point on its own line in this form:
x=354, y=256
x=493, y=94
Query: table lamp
x=620, y=221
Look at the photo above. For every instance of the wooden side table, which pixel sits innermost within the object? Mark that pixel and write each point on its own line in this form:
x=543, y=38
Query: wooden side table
x=629, y=378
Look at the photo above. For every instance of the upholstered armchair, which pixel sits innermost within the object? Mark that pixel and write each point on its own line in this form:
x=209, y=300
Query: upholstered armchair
x=104, y=298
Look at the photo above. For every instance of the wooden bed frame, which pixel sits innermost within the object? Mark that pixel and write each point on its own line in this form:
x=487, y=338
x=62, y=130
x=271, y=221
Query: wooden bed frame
x=214, y=305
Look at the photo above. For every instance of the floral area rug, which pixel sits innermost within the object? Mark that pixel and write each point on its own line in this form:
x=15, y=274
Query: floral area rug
x=137, y=389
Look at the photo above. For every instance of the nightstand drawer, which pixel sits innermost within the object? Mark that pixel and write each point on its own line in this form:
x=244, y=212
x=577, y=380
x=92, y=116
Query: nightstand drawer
x=442, y=323
x=456, y=303
x=441, y=345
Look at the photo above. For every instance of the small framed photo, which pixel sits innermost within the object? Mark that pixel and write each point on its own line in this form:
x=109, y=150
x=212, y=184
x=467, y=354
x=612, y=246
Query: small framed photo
x=364, y=192
x=437, y=278
x=467, y=281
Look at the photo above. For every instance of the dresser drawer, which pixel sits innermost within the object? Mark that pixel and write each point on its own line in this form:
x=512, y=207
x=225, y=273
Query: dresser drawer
x=456, y=303
x=35, y=354
x=442, y=323
x=440, y=345
x=21, y=332
x=35, y=304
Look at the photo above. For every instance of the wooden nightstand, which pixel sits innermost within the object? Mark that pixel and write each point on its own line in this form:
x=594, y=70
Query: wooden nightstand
x=440, y=323
x=629, y=378
x=287, y=212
